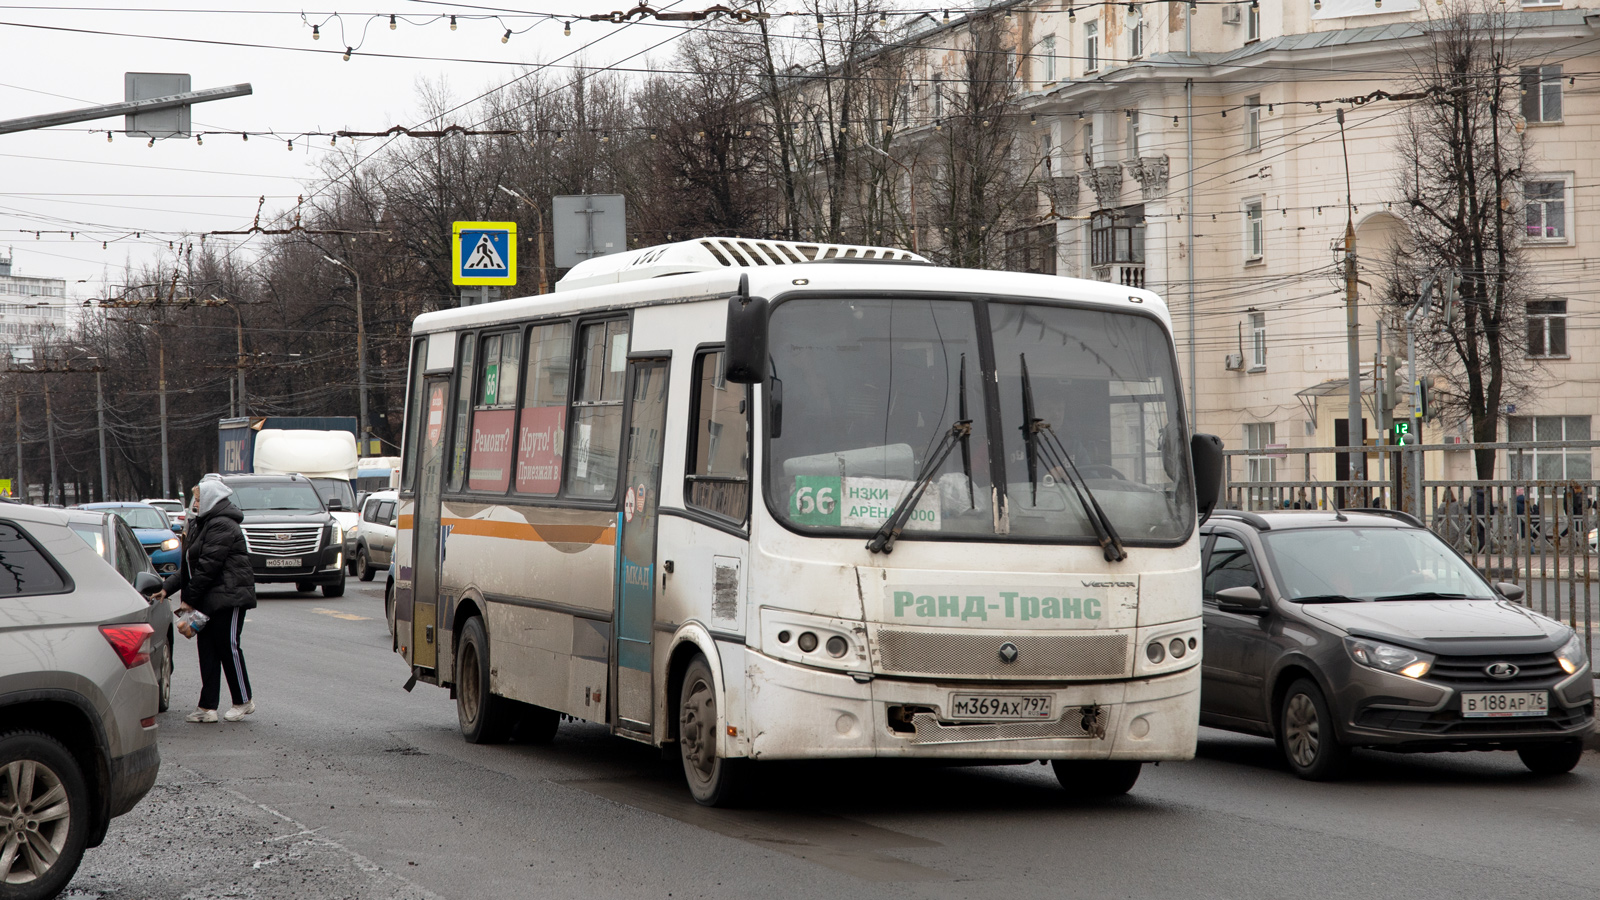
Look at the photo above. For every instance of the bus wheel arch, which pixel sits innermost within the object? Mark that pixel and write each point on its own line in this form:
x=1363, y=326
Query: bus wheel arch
x=468, y=607
x=689, y=642
x=714, y=778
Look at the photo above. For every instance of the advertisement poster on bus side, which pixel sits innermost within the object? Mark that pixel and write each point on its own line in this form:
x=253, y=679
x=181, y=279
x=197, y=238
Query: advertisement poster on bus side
x=541, y=440
x=490, y=465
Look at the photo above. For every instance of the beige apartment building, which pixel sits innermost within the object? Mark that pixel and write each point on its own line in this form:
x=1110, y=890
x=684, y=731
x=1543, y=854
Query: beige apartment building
x=1127, y=100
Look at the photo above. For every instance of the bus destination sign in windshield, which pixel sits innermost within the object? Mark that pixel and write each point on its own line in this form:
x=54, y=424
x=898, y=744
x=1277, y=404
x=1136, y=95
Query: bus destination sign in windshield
x=858, y=502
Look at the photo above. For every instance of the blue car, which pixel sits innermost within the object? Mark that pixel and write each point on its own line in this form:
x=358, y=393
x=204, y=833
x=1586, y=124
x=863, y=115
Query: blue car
x=155, y=531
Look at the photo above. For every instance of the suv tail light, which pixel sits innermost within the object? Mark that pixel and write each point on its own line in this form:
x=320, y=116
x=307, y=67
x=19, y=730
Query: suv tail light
x=132, y=642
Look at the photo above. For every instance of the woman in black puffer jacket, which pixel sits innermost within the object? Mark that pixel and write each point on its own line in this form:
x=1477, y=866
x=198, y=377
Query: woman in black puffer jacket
x=216, y=579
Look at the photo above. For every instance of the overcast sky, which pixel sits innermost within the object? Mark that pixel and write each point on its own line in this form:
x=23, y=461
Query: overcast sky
x=71, y=178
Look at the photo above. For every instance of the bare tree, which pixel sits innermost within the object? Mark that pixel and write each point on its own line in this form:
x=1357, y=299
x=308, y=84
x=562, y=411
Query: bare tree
x=1464, y=160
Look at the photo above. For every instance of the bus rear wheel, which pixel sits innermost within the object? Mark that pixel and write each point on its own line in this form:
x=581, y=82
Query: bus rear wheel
x=1096, y=779
x=713, y=780
x=484, y=718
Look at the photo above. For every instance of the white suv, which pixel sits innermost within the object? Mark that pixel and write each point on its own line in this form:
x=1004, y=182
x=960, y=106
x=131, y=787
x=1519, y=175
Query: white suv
x=374, y=536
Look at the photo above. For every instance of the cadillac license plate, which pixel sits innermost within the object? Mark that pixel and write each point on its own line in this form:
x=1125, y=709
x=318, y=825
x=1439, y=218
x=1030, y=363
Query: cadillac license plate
x=1505, y=704
x=1001, y=707
x=284, y=563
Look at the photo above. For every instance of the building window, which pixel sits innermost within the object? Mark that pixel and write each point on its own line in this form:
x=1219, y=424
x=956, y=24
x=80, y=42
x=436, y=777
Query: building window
x=938, y=97
x=1546, y=209
x=1258, y=438
x=1252, y=18
x=1252, y=122
x=1254, y=240
x=1555, y=463
x=1116, y=245
x=1547, y=328
x=1541, y=93
x=1088, y=144
x=1136, y=38
x=1258, y=341
x=1047, y=58
x=1049, y=152
x=1133, y=134
x=1032, y=249
x=1091, y=46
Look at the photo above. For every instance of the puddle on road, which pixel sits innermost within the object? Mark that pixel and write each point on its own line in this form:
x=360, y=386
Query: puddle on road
x=841, y=844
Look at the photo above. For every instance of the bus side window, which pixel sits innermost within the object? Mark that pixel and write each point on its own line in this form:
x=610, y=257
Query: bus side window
x=458, y=447
x=596, y=436
x=415, y=417
x=494, y=413
x=542, y=428
x=718, y=480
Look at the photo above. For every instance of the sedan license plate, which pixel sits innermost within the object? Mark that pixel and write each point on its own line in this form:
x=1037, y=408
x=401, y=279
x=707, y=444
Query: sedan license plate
x=1001, y=707
x=284, y=563
x=1505, y=704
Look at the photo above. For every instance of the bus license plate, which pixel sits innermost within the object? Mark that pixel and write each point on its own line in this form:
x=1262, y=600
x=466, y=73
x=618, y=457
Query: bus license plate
x=1506, y=704
x=1001, y=707
x=283, y=563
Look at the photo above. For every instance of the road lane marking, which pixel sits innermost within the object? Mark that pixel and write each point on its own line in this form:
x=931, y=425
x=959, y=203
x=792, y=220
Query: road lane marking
x=348, y=617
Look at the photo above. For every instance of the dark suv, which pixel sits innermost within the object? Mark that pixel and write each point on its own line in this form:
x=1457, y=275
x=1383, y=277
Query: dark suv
x=1361, y=628
x=290, y=533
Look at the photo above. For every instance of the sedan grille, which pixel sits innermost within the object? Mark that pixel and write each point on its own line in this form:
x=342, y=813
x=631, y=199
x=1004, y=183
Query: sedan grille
x=288, y=540
x=1473, y=670
x=981, y=655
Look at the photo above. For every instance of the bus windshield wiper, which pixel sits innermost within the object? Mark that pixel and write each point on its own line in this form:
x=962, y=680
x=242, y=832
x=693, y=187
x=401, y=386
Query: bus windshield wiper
x=1039, y=437
x=883, y=539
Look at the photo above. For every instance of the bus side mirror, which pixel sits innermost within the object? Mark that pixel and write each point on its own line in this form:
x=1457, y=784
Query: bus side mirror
x=745, y=359
x=1205, y=453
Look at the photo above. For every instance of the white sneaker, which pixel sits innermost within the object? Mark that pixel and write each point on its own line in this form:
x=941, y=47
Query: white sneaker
x=201, y=715
x=238, y=711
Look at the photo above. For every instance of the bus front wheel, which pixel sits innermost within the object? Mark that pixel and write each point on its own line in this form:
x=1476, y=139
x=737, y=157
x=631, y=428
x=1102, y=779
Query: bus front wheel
x=485, y=718
x=713, y=780
x=1096, y=779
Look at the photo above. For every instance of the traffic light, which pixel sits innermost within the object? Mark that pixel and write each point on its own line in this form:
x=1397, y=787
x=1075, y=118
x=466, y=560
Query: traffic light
x=1452, y=295
x=1391, y=384
x=1424, y=401
x=1403, y=434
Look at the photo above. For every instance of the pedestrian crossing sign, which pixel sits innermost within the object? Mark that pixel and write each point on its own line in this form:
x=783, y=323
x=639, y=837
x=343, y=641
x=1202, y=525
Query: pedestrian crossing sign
x=484, y=253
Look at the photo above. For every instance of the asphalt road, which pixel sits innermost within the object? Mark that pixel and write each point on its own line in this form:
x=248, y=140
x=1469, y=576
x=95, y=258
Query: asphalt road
x=343, y=785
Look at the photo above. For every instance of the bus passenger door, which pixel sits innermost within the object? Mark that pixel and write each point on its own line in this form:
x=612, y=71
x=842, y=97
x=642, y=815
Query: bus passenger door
x=425, y=555
x=636, y=546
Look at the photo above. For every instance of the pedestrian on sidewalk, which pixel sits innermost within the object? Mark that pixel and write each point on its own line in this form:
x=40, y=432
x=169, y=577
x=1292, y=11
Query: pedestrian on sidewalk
x=216, y=579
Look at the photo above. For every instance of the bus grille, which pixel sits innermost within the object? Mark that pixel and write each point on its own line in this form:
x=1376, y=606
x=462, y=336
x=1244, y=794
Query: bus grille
x=286, y=540
x=929, y=730
x=941, y=653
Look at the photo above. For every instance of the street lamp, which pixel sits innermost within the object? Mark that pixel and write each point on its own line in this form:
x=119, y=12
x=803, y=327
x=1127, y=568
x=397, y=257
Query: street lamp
x=361, y=344
x=911, y=182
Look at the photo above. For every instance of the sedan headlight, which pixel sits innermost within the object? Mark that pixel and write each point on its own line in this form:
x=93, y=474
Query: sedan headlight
x=171, y=544
x=1388, y=658
x=1571, y=655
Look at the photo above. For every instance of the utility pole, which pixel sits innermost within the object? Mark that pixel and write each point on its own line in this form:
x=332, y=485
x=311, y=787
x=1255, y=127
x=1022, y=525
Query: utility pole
x=361, y=350
x=538, y=212
x=161, y=355
x=21, y=488
x=1358, y=456
x=100, y=416
x=54, y=493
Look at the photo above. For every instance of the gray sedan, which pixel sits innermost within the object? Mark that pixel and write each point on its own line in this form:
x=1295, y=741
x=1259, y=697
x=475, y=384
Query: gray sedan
x=1327, y=631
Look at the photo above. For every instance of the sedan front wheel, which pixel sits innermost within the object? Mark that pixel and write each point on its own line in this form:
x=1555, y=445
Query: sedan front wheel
x=1306, y=735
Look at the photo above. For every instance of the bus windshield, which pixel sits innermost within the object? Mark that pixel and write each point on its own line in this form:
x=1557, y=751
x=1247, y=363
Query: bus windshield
x=864, y=391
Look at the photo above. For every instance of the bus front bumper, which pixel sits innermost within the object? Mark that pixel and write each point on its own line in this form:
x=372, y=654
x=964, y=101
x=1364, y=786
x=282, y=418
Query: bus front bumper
x=801, y=712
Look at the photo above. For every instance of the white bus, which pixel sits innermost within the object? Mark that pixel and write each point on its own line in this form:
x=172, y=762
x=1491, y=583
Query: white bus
x=767, y=500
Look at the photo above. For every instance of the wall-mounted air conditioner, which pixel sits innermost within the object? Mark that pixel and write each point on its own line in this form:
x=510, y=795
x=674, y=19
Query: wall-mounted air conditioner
x=1233, y=362
x=1230, y=14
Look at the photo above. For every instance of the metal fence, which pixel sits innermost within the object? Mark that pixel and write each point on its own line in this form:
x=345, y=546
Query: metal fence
x=1539, y=533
